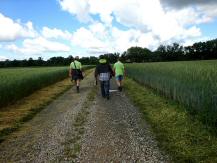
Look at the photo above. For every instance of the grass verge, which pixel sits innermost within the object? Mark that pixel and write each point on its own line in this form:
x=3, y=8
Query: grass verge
x=13, y=116
x=184, y=138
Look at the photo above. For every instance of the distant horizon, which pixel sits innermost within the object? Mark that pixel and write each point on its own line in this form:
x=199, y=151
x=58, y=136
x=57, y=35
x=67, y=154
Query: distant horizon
x=32, y=29
x=93, y=55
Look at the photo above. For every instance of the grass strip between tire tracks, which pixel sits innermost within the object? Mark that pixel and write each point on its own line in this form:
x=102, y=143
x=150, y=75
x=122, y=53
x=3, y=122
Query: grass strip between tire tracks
x=72, y=146
x=14, y=116
x=183, y=137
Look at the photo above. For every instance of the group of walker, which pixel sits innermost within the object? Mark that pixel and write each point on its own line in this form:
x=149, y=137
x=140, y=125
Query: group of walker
x=103, y=73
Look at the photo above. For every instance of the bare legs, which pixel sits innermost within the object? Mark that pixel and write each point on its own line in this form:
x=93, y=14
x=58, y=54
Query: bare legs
x=77, y=82
x=119, y=83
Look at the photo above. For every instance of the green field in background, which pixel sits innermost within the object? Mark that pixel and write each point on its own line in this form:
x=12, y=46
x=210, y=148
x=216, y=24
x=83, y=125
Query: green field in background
x=192, y=83
x=16, y=83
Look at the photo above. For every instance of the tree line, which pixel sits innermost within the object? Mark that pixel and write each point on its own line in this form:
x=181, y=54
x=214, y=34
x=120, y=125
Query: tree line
x=53, y=61
x=175, y=52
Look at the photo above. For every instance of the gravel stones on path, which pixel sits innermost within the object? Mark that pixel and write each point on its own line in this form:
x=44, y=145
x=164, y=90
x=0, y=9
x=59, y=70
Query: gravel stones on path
x=43, y=138
x=85, y=128
x=117, y=133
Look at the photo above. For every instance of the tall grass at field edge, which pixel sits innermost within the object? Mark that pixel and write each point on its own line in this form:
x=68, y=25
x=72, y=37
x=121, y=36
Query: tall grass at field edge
x=192, y=84
x=183, y=138
x=17, y=83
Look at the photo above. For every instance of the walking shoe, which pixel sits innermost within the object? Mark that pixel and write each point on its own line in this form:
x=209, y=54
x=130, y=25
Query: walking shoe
x=120, y=89
x=77, y=89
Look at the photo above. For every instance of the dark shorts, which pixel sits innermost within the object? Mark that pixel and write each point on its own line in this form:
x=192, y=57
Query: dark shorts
x=119, y=77
x=77, y=75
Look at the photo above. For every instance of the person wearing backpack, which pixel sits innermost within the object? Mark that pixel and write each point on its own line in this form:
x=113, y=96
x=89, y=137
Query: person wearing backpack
x=75, y=72
x=104, y=73
x=119, y=73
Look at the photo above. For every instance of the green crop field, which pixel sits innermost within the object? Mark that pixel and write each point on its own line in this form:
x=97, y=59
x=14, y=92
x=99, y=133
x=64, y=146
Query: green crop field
x=191, y=83
x=17, y=83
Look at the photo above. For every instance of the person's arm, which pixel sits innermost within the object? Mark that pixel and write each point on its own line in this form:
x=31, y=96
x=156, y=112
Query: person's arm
x=96, y=71
x=111, y=71
x=80, y=66
x=124, y=70
x=114, y=69
x=70, y=71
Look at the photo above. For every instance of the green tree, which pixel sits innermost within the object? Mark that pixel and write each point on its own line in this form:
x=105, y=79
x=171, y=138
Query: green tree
x=138, y=54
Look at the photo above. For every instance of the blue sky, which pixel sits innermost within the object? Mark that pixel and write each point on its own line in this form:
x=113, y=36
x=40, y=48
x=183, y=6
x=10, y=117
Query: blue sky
x=47, y=28
x=40, y=12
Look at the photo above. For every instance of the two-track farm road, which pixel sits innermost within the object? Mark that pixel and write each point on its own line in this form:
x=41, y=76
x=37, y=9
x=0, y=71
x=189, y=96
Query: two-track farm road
x=80, y=128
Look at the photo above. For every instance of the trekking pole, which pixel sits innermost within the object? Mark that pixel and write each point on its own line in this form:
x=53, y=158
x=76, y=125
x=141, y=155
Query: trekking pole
x=96, y=80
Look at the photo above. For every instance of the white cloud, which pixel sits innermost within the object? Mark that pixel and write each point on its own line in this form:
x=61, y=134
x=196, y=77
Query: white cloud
x=99, y=30
x=146, y=27
x=192, y=11
x=38, y=46
x=110, y=39
x=149, y=16
x=86, y=38
x=97, y=38
x=104, y=9
x=208, y=10
x=185, y=3
x=56, y=33
x=146, y=17
x=122, y=40
x=34, y=43
x=11, y=30
x=188, y=16
x=146, y=24
x=78, y=8
x=83, y=9
x=3, y=58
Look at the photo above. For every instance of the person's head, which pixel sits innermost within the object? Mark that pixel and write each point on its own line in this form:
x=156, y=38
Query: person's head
x=72, y=59
x=77, y=58
x=102, y=59
x=119, y=59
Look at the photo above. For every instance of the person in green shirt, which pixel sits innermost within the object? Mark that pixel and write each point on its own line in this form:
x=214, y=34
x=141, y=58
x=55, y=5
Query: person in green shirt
x=75, y=72
x=119, y=73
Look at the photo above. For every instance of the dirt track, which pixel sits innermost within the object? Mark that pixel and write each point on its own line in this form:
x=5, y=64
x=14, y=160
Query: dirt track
x=81, y=128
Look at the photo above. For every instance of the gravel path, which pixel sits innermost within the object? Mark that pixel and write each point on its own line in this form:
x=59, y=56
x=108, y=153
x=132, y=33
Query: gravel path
x=116, y=133
x=44, y=138
x=81, y=128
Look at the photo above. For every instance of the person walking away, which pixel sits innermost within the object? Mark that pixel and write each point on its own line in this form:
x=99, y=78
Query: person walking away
x=104, y=73
x=75, y=72
x=119, y=71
